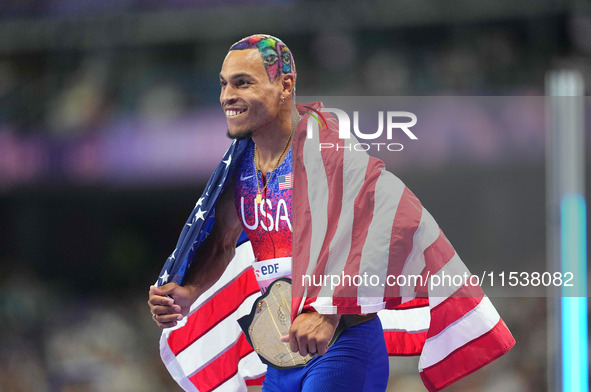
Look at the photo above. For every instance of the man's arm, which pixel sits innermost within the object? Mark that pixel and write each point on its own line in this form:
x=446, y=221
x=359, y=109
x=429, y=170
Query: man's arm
x=170, y=303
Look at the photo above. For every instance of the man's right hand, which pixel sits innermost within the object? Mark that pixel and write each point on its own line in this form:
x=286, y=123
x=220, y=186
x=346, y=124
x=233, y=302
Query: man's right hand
x=170, y=303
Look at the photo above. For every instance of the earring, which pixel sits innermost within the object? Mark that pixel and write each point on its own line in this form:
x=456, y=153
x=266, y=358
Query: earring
x=282, y=99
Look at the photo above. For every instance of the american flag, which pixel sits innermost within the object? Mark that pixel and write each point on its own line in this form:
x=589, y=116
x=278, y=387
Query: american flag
x=285, y=181
x=373, y=225
x=207, y=350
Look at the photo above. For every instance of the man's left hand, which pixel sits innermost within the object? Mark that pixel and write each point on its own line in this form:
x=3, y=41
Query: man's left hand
x=311, y=333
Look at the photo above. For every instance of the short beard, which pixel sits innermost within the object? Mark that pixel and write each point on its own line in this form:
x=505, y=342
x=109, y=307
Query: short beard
x=240, y=136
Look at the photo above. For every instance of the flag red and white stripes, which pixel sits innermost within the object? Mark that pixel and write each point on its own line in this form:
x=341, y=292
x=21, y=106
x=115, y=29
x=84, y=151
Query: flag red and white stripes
x=352, y=217
x=207, y=350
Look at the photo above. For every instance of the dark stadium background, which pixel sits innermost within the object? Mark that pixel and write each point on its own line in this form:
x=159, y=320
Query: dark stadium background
x=110, y=126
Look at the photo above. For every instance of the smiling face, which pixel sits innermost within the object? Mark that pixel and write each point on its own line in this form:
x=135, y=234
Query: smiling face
x=249, y=99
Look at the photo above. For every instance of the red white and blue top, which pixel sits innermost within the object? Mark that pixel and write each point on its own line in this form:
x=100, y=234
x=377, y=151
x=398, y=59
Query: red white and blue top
x=268, y=223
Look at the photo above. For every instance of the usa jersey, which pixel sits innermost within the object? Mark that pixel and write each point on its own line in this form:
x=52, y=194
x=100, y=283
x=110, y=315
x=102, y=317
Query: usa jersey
x=268, y=223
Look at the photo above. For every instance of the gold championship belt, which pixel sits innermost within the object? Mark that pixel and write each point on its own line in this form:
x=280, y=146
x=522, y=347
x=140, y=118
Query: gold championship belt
x=268, y=321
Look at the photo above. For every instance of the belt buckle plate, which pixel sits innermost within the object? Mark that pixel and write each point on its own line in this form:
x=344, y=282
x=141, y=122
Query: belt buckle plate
x=269, y=319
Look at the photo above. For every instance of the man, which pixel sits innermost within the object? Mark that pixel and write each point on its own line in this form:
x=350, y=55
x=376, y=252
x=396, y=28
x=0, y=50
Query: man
x=350, y=216
x=257, y=92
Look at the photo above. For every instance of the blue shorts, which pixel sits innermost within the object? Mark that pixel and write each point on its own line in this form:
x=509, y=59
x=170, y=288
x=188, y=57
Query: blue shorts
x=358, y=361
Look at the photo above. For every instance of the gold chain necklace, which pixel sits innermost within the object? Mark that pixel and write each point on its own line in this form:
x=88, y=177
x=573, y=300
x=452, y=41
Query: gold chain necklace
x=260, y=191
